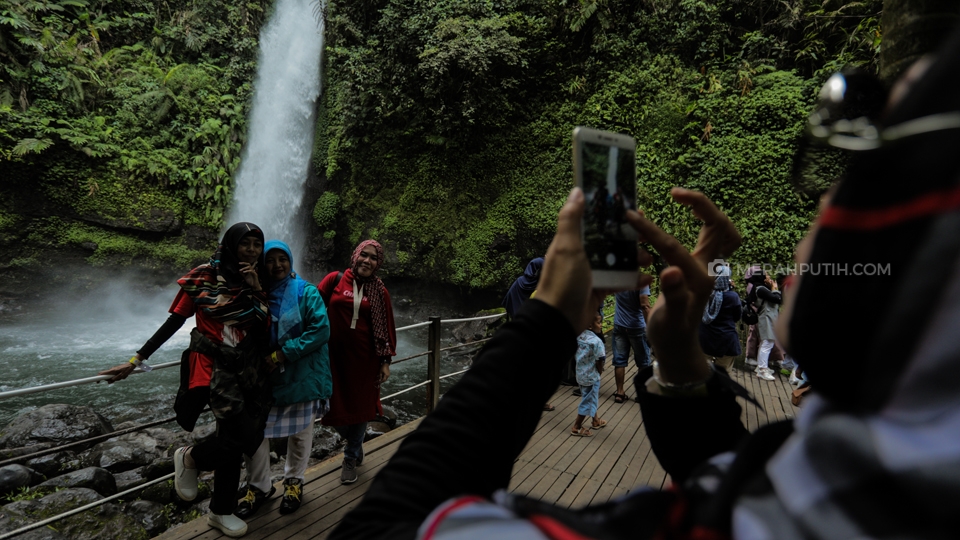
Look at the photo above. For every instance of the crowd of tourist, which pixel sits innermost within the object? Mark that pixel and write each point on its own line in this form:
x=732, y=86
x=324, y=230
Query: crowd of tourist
x=271, y=354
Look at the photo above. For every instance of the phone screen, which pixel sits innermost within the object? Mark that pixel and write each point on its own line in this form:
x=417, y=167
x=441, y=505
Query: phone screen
x=610, y=188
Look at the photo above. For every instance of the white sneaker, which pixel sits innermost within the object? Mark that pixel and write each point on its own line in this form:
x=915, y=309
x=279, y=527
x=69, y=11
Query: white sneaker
x=750, y=361
x=766, y=374
x=184, y=479
x=229, y=524
x=793, y=377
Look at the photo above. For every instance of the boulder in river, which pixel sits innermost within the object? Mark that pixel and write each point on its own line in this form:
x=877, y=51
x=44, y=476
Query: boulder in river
x=54, y=464
x=152, y=516
x=15, y=477
x=158, y=467
x=10, y=523
x=123, y=453
x=105, y=522
x=130, y=479
x=95, y=478
x=56, y=423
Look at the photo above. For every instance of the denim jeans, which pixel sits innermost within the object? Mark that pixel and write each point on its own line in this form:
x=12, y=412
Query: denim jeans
x=625, y=339
x=589, y=400
x=353, y=434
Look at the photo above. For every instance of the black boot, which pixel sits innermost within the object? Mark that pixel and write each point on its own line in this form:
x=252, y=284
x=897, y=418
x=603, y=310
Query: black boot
x=292, y=494
x=252, y=502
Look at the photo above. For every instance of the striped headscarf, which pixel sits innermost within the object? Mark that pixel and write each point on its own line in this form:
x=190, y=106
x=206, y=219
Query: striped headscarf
x=218, y=289
x=373, y=289
x=721, y=286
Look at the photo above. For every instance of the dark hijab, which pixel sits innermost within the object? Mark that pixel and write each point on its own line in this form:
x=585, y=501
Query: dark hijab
x=225, y=259
x=218, y=289
x=523, y=287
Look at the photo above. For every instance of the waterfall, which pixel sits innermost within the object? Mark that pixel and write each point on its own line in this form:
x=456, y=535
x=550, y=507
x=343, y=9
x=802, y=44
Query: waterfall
x=269, y=184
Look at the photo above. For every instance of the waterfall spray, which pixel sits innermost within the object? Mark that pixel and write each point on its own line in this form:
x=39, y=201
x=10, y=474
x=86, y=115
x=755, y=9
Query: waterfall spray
x=269, y=185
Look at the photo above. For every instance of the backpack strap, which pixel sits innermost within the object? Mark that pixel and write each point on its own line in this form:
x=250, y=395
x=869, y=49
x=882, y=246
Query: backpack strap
x=326, y=297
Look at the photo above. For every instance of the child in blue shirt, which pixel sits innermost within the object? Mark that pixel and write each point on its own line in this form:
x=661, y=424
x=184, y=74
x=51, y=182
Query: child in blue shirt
x=590, y=359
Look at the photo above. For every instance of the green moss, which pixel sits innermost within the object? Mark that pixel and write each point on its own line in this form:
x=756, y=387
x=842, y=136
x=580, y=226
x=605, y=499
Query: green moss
x=7, y=221
x=108, y=245
x=325, y=211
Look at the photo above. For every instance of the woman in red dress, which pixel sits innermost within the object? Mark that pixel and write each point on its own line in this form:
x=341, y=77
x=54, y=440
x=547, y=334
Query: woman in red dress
x=363, y=340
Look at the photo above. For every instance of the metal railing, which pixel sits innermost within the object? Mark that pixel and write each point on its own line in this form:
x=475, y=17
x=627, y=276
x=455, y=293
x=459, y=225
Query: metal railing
x=434, y=354
x=97, y=378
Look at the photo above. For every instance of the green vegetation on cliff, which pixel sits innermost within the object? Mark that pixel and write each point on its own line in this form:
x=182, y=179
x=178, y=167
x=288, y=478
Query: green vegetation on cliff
x=444, y=130
x=447, y=124
x=123, y=116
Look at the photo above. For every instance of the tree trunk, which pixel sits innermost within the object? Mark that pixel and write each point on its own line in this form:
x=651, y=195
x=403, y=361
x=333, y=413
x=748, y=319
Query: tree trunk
x=912, y=28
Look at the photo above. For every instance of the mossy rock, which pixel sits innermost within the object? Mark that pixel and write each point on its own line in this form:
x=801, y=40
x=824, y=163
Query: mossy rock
x=105, y=522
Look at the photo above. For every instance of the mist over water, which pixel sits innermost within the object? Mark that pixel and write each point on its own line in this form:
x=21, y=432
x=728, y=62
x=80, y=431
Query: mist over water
x=269, y=185
x=74, y=337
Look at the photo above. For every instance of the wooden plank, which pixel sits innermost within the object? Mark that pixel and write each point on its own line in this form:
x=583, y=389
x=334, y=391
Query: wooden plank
x=572, y=491
x=586, y=494
x=319, y=478
x=558, y=488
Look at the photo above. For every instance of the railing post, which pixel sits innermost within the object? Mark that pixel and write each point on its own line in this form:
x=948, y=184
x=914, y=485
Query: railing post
x=433, y=365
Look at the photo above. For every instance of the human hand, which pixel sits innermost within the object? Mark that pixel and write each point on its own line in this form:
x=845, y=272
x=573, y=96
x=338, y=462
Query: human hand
x=384, y=373
x=119, y=372
x=566, y=282
x=674, y=324
x=250, y=276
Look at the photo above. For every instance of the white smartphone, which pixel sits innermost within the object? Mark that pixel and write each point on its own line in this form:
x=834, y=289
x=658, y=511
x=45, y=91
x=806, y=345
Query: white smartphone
x=604, y=167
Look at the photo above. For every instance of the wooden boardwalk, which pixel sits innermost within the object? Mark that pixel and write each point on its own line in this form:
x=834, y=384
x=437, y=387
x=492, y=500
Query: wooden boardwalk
x=554, y=467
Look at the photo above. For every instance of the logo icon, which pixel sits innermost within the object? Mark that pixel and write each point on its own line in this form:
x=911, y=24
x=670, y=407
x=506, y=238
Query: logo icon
x=715, y=266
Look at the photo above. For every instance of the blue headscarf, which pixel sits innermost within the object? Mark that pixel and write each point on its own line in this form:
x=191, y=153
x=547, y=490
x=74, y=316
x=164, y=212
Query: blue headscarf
x=523, y=287
x=284, y=298
x=721, y=286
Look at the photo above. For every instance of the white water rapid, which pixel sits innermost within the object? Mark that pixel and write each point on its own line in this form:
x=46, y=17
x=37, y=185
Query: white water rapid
x=269, y=185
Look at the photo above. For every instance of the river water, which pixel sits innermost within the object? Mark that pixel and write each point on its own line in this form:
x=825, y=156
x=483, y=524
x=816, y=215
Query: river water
x=71, y=339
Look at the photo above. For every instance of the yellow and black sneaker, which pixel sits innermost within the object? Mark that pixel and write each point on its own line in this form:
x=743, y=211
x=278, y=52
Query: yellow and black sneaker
x=252, y=502
x=292, y=492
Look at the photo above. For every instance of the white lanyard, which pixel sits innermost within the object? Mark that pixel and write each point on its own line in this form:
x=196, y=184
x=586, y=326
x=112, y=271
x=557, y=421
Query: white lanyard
x=357, y=298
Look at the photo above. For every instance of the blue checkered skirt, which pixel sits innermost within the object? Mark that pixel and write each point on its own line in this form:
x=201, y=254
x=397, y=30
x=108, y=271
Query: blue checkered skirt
x=292, y=419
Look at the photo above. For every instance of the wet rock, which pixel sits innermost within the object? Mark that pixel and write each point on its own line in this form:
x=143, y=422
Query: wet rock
x=123, y=453
x=202, y=238
x=9, y=523
x=130, y=479
x=24, y=450
x=15, y=477
x=158, y=467
x=162, y=493
x=55, y=423
x=326, y=442
x=95, y=478
x=150, y=515
x=388, y=417
x=55, y=464
x=104, y=522
x=470, y=331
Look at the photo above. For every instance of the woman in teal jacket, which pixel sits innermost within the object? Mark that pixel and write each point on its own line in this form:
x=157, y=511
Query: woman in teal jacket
x=302, y=384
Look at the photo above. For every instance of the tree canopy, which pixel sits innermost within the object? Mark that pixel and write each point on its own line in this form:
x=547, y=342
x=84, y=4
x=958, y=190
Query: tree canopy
x=444, y=128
